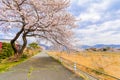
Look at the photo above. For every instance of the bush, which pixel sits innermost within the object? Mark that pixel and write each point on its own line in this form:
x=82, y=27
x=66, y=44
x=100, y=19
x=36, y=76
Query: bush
x=6, y=51
x=34, y=45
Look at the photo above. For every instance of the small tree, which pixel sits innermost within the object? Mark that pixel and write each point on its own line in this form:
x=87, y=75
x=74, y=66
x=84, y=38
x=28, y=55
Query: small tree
x=33, y=45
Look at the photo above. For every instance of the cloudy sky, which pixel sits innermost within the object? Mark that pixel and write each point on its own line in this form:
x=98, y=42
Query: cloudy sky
x=99, y=21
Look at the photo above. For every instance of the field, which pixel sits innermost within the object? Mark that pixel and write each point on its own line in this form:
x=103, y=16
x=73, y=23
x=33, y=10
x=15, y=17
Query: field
x=106, y=62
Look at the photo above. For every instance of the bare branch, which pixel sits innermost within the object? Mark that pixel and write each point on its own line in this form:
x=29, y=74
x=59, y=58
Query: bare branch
x=22, y=2
x=7, y=3
x=12, y=21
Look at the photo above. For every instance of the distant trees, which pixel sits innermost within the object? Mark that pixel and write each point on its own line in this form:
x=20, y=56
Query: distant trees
x=34, y=45
x=100, y=49
x=45, y=19
x=106, y=48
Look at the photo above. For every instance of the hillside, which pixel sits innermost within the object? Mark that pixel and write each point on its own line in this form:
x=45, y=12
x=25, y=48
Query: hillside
x=100, y=46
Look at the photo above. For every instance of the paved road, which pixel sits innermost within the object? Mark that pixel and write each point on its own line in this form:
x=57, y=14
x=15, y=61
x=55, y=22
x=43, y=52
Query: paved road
x=39, y=67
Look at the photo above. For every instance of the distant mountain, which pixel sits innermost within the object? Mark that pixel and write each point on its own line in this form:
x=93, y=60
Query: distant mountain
x=85, y=46
x=100, y=46
x=103, y=45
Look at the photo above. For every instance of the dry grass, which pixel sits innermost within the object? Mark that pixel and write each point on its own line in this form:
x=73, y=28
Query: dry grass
x=107, y=62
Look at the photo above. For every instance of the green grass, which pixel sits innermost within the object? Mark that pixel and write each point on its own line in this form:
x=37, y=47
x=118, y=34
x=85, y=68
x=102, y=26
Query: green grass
x=7, y=65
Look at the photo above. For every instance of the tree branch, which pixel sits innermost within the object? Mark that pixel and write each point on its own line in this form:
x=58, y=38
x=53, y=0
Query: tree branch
x=12, y=21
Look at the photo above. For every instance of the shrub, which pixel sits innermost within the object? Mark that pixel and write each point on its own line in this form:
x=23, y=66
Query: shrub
x=6, y=51
x=34, y=45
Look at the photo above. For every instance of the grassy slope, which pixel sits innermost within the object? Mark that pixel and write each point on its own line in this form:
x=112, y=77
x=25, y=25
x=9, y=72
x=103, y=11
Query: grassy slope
x=107, y=62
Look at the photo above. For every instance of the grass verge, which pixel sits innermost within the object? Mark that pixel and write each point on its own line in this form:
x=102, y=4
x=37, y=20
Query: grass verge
x=7, y=65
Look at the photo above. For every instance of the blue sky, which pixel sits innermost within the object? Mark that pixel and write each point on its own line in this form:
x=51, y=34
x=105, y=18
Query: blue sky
x=99, y=21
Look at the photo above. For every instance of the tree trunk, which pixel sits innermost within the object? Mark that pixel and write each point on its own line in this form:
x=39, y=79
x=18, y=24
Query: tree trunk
x=14, y=39
x=24, y=43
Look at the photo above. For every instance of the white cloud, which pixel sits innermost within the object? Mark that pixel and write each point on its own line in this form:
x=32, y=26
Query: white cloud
x=83, y=2
x=90, y=16
x=100, y=21
x=106, y=33
x=94, y=10
x=73, y=1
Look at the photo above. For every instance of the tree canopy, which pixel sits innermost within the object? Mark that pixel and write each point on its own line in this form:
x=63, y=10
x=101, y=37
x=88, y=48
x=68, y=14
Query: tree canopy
x=47, y=20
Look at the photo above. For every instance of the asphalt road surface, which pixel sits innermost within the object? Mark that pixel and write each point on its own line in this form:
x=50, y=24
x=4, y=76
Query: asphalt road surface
x=39, y=67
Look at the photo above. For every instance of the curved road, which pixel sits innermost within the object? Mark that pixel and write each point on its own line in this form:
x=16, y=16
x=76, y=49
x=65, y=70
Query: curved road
x=39, y=67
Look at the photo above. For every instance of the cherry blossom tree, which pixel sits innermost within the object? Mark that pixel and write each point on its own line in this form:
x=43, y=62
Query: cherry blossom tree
x=47, y=20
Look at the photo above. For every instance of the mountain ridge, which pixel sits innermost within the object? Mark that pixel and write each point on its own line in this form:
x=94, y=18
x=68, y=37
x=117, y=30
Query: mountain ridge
x=101, y=46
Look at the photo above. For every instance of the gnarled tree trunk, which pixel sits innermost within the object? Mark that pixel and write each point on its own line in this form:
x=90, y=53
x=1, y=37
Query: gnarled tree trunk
x=14, y=40
x=24, y=43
